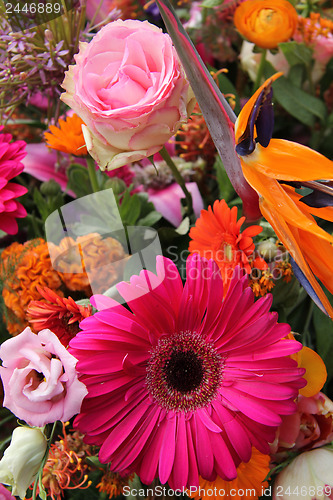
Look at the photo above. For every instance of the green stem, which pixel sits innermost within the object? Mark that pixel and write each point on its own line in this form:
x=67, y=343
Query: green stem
x=260, y=70
x=92, y=174
x=179, y=179
x=40, y=471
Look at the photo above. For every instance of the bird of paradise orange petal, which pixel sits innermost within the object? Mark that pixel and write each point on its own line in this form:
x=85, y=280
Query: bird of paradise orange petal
x=275, y=168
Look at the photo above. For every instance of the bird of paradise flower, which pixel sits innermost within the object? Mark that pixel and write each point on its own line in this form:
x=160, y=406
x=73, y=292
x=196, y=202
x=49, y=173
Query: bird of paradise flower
x=276, y=169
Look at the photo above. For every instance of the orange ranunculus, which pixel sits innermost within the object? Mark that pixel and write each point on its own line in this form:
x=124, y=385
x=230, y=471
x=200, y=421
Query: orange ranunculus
x=266, y=22
x=275, y=168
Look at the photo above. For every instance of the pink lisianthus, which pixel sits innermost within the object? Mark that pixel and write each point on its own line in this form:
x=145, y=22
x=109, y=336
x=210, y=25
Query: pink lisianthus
x=5, y=494
x=167, y=201
x=11, y=154
x=130, y=90
x=185, y=391
x=39, y=378
x=310, y=427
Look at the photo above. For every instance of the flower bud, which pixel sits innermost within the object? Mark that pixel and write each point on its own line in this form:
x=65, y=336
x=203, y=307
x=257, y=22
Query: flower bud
x=22, y=459
x=267, y=249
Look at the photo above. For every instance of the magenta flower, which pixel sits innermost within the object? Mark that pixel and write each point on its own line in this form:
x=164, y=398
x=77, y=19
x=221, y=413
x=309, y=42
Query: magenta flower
x=11, y=154
x=39, y=378
x=185, y=382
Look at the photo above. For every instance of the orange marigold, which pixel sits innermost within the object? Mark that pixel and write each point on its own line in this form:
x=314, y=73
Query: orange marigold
x=90, y=263
x=61, y=315
x=249, y=483
x=68, y=137
x=266, y=22
x=23, y=269
x=217, y=235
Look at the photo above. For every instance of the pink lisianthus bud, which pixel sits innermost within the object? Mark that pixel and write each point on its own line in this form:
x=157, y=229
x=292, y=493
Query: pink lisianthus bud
x=130, y=90
x=39, y=378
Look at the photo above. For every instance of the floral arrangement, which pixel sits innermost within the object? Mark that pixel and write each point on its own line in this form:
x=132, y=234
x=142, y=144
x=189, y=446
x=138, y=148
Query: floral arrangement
x=166, y=264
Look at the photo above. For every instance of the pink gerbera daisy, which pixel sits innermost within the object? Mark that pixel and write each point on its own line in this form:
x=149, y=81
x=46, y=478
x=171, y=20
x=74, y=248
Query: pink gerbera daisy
x=185, y=382
x=11, y=154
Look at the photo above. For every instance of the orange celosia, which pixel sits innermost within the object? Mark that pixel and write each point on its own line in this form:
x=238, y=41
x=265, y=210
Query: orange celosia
x=249, y=483
x=270, y=166
x=68, y=137
x=23, y=269
x=90, y=263
x=217, y=235
x=266, y=22
x=60, y=315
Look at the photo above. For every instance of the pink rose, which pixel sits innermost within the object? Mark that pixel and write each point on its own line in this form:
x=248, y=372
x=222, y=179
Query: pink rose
x=130, y=90
x=39, y=378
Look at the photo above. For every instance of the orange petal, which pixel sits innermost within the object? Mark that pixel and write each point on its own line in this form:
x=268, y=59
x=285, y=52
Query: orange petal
x=245, y=114
x=316, y=373
x=293, y=244
x=276, y=196
x=289, y=161
x=319, y=256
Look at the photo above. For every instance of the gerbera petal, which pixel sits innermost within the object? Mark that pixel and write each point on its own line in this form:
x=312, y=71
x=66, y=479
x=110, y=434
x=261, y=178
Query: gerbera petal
x=179, y=474
x=192, y=407
x=168, y=449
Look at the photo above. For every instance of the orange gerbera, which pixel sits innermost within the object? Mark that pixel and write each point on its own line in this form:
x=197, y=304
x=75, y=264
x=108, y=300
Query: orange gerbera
x=217, y=235
x=68, y=137
x=249, y=483
x=266, y=22
x=90, y=263
x=23, y=269
x=61, y=315
x=275, y=168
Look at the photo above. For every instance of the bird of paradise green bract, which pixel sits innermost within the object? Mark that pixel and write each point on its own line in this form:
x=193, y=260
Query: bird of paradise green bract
x=277, y=170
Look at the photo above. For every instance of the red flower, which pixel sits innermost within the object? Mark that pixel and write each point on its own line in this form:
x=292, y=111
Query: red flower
x=59, y=314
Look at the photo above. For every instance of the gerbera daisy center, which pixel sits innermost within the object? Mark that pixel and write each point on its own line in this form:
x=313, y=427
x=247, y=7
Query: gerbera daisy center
x=184, y=372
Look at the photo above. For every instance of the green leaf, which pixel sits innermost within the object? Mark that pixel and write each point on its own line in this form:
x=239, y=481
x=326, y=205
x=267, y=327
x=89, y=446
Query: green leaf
x=41, y=204
x=324, y=339
x=298, y=103
x=226, y=189
x=211, y=3
x=78, y=180
x=150, y=219
x=296, y=75
x=296, y=53
x=129, y=209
